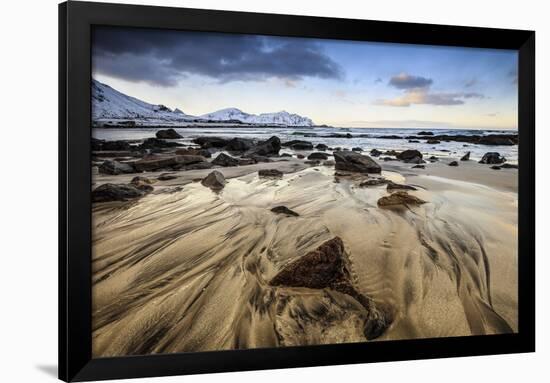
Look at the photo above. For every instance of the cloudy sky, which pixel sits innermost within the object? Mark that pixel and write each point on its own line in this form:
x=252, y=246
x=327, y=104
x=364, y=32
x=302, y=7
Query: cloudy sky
x=340, y=83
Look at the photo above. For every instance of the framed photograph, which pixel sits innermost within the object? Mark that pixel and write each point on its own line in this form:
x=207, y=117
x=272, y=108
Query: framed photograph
x=246, y=191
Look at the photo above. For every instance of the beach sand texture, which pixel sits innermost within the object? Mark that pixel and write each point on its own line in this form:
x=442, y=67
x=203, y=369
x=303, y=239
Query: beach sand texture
x=188, y=269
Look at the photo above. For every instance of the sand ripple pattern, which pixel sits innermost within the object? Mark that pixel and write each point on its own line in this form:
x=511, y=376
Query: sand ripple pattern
x=189, y=270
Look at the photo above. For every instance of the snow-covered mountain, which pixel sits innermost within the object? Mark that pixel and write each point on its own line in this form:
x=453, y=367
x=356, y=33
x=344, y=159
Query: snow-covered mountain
x=112, y=106
x=278, y=118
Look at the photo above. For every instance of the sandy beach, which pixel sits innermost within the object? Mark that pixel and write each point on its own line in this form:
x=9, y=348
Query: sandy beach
x=186, y=267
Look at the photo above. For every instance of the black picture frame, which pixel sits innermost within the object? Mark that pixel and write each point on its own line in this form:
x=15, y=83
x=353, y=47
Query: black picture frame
x=75, y=357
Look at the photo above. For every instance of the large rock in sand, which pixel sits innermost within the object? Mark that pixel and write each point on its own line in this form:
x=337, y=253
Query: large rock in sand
x=152, y=163
x=117, y=192
x=224, y=160
x=492, y=158
x=399, y=198
x=355, y=162
x=116, y=168
x=269, y=147
x=168, y=134
x=214, y=181
x=327, y=267
x=409, y=155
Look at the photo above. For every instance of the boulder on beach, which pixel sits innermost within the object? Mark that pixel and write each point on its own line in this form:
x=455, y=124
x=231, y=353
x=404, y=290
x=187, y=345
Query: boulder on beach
x=496, y=167
x=328, y=267
x=152, y=163
x=111, y=145
x=211, y=142
x=284, y=210
x=116, y=168
x=432, y=141
x=268, y=147
x=299, y=145
x=329, y=163
x=395, y=186
x=246, y=161
x=374, y=182
x=509, y=166
x=300, y=156
x=408, y=155
x=157, y=143
x=465, y=157
x=495, y=140
x=492, y=158
x=142, y=182
x=453, y=163
x=238, y=144
x=215, y=180
x=419, y=167
x=357, y=149
x=355, y=162
x=117, y=192
x=321, y=147
x=425, y=133
x=317, y=156
x=224, y=160
x=312, y=162
x=194, y=152
x=270, y=173
x=168, y=134
x=375, y=153
x=399, y=198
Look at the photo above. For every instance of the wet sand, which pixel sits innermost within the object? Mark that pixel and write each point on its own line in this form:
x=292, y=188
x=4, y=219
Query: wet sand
x=187, y=269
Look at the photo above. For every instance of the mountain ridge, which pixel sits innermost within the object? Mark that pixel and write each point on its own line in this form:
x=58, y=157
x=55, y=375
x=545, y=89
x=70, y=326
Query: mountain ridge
x=109, y=104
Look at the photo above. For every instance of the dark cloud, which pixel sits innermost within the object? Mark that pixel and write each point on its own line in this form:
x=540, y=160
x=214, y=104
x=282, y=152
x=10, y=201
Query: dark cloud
x=163, y=57
x=406, y=81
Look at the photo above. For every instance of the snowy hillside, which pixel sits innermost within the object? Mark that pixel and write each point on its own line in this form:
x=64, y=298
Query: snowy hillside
x=112, y=106
x=279, y=118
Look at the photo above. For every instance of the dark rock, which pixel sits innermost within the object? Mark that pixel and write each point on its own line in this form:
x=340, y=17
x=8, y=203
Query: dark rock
x=496, y=167
x=356, y=162
x=418, y=167
x=453, y=163
x=299, y=145
x=321, y=147
x=268, y=147
x=156, y=143
x=375, y=152
x=432, y=141
x=414, y=141
x=160, y=162
x=329, y=163
x=357, y=149
x=239, y=144
x=166, y=177
x=116, y=192
x=492, y=158
x=284, y=210
x=168, y=134
x=115, y=145
x=328, y=267
x=214, y=180
x=317, y=156
x=509, y=166
x=495, y=140
x=270, y=173
x=374, y=182
x=399, y=198
x=408, y=155
x=425, y=133
x=391, y=153
x=142, y=183
x=433, y=158
x=211, y=142
x=224, y=160
x=96, y=144
x=300, y=156
x=465, y=157
x=394, y=186
x=194, y=166
x=116, y=168
x=194, y=152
